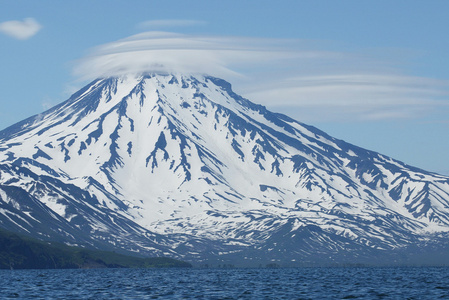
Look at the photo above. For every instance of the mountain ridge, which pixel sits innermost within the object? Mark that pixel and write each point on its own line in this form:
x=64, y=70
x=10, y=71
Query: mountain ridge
x=185, y=159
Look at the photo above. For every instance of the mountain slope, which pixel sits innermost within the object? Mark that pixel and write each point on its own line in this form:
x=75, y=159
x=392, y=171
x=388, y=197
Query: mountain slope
x=17, y=252
x=180, y=165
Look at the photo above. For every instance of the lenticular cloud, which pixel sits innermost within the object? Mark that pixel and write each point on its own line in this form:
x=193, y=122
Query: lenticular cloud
x=177, y=53
x=287, y=74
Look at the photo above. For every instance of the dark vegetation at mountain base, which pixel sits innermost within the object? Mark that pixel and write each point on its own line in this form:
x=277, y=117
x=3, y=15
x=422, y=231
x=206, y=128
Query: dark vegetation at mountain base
x=18, y=252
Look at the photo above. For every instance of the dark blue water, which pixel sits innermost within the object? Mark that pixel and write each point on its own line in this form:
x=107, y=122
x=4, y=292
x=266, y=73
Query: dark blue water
x=301, y=283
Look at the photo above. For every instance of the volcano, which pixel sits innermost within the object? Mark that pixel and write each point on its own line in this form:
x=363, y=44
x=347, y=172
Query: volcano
x=179, y=165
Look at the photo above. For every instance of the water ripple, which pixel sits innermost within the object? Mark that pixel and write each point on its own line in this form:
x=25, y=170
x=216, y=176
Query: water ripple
x=301, y=283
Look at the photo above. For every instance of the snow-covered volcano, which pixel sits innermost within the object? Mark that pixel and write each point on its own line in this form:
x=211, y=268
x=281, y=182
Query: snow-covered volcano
x=180, y=165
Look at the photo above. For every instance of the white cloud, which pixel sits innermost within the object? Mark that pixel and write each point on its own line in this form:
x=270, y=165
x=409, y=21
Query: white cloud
x=357, y=96
x=20, y=30
x=169, y=23
x=290, y=76
x=170, y=52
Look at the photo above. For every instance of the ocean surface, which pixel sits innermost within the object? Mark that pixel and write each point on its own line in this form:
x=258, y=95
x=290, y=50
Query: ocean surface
x=298, y=283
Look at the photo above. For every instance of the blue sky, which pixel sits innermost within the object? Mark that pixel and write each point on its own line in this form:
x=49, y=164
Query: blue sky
x=373, y=73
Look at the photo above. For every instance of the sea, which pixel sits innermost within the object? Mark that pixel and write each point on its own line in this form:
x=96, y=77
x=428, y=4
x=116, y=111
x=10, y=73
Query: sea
x=201, y=283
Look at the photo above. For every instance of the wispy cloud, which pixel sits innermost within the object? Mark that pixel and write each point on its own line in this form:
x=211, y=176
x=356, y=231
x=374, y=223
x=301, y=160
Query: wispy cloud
x=170, y=52
x=169, y=23
x=21, y=30
x=354, y=96
x=292, y=76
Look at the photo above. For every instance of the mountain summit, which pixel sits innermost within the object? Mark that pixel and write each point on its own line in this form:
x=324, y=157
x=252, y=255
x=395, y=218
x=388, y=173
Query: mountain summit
x=180, y=165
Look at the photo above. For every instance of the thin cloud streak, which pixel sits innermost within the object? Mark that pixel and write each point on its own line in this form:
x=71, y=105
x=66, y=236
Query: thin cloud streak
x=285, y=75
x=355, y=97
x=21, y=30
x=351, y=89
x=169, y=23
